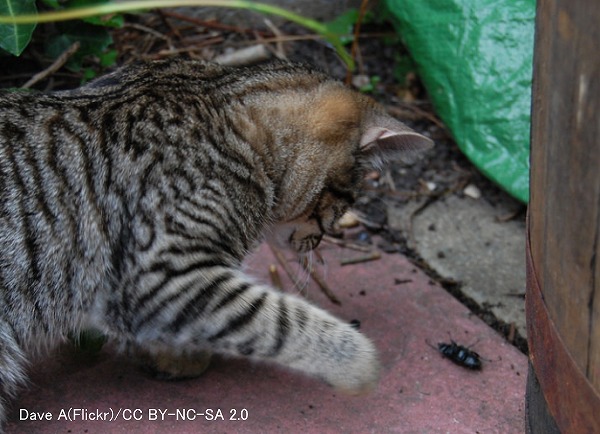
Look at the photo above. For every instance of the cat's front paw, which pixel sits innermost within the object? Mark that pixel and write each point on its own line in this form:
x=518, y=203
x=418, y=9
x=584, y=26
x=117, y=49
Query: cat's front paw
x=354, y=366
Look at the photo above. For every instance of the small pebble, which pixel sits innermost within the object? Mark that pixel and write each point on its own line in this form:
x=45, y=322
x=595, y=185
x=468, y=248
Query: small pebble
x=472, y=191
x=348, y=220
x=360, y=80
x=373, y=175
x=363, y=237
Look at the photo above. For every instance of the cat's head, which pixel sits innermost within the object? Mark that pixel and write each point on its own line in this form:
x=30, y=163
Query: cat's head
x=344, y=134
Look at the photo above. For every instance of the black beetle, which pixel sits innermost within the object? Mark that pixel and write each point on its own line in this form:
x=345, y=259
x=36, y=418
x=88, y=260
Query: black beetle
x=460, y=355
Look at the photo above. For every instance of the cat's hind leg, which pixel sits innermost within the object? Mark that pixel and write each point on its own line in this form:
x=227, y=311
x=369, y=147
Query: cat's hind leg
x=172, y=364
x=12, y=368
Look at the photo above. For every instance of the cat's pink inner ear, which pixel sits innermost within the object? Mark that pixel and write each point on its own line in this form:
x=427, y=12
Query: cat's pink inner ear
x=381, y=140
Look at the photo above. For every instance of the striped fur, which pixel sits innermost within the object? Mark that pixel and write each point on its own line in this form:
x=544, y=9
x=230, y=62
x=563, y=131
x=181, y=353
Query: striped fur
x=128, y=204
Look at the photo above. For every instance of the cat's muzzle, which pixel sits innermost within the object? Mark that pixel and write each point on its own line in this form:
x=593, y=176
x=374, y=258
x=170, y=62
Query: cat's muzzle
x=307, y=243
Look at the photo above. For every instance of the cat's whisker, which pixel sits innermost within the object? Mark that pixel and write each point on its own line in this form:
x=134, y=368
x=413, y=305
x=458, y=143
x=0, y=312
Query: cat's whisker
x=324, y=267
x=294, y=275
x=318, y=256
x=304, y=271
x=320, y=281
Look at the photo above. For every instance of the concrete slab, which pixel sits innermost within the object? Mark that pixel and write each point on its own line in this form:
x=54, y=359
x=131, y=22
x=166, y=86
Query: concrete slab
x=462, y=239
x=398, y=307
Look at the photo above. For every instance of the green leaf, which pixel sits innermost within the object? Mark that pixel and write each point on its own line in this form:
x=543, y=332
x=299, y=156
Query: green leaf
x=108, y=58
x=54, y=4
x=371, y=85
x=94, y=41
x=88, y=74
x=14, y=38
x=114, y=20
x=343, y=25
x=109, y=21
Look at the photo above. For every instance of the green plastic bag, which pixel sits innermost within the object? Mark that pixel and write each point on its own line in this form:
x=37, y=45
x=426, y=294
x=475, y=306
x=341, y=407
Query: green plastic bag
x=475, y=59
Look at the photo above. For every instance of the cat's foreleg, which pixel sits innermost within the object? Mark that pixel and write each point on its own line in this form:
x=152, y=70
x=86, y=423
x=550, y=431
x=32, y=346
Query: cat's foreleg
x=265, y=324
x=245, y=319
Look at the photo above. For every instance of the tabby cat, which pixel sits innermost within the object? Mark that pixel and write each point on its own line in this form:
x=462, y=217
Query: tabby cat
x=129, y=203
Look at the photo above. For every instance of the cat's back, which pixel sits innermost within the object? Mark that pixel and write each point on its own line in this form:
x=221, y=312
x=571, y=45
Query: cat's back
x=75, y=164
x=122, y=86
x=173, y=84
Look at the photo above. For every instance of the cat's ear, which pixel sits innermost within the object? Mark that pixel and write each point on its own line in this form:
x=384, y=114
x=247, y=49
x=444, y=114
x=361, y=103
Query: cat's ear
x=394, y=140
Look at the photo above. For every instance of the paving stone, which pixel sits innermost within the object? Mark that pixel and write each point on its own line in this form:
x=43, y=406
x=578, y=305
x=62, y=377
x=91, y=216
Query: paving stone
x=399, y=308
x=462, y=239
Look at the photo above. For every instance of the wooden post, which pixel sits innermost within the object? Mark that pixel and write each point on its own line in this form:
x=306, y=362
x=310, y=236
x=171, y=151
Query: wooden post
x=563, y=294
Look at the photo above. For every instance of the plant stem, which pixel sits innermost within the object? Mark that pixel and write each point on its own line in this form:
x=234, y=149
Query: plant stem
x=138, y=5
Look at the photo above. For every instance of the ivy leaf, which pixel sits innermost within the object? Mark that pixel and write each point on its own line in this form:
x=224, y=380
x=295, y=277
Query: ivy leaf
x=94, y=41
x=108, y=58
x=116, y=20
x=108, y=21
x=15, y=37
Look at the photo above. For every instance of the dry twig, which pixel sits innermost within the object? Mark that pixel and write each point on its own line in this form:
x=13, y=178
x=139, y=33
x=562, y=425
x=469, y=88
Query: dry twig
x=401, y=112
x=320, y=281
x=188, y=50
x=150, y=31
x=354, y=49
x=284, y=264
x=211, y=24
x=346, y=244
x=371, y=257
x=279, y=50
x=244, y=56
x=511, y=333
x=313, y=274
x=275, y=277
x=55, y=66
